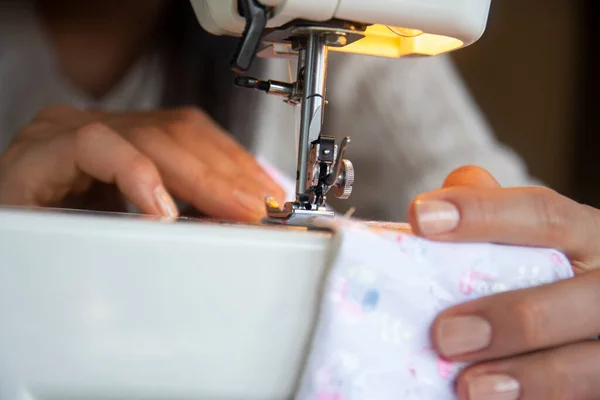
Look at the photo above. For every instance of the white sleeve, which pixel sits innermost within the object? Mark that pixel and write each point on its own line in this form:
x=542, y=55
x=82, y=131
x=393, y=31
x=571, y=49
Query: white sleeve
x=412, y=121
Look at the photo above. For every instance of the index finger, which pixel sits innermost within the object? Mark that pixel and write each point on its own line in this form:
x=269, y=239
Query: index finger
x=228, y=155
x=521, y=321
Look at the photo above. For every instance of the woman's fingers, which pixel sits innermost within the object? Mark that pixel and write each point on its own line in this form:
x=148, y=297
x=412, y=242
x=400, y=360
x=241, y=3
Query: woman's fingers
x=142, y=153
x=44, y=171
x=533, y=216
x=521, y=321
x=569, y=372
x=466, y=176
x=196, y=182
x=471, y=176
x=104, y=155
x=538, y=335
x=201, y=136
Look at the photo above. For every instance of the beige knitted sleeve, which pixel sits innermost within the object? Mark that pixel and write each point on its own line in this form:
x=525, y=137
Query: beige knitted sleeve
x=412, y=121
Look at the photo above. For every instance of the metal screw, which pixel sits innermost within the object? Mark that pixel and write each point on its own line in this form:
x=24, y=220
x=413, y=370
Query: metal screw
x=336, y=40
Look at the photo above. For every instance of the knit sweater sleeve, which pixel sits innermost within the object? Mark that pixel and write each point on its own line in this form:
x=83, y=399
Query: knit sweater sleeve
x=412, y=121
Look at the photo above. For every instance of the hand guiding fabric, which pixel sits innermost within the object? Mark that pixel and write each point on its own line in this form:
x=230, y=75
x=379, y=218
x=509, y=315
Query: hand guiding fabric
x=526, y=344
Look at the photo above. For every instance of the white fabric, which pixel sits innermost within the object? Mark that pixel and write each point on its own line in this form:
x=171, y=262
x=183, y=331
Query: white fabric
x=381, y=297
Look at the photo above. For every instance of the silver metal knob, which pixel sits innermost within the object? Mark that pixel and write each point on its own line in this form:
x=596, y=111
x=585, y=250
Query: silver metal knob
x=343, y=185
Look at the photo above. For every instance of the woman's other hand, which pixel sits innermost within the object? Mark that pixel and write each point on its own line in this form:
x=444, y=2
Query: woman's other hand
x=528, y=344
x=147, y=155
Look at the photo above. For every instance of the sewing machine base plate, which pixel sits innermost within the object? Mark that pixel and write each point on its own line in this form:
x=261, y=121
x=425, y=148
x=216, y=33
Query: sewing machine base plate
x=99, y=307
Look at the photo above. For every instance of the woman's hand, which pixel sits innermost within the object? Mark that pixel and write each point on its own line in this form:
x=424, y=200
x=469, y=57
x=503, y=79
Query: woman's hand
x=147, y=155
x=529, y=344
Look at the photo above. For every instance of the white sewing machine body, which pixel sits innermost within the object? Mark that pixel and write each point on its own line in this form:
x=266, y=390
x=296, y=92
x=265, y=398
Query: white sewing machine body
x=451, y=24
x=105, y=307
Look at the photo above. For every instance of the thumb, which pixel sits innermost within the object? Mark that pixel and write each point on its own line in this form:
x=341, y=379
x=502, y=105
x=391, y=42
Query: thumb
x=471, y=176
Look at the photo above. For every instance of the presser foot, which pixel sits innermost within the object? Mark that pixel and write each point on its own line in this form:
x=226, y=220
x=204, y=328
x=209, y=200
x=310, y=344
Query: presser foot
x=294, y=214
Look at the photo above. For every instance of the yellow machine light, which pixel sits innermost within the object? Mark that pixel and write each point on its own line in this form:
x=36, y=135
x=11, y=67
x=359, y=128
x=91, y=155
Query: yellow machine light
x=392, y=42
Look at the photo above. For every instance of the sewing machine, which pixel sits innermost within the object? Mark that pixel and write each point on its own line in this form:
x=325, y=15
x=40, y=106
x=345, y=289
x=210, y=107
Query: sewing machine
x=113, y=306
x=307, y=30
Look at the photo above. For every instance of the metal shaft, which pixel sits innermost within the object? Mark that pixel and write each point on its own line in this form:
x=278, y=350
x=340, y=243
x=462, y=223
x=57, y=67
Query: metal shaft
x=315, y=73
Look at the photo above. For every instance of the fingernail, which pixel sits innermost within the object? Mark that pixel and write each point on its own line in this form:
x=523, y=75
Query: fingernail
x=252, y=203
x=280, y=198
x=275, y=191
x=493, y=387
x=165, y=202
x=436, y=217
x=462, y=335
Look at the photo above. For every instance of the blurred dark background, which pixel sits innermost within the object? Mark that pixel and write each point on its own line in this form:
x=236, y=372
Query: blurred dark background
x=535, y=75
